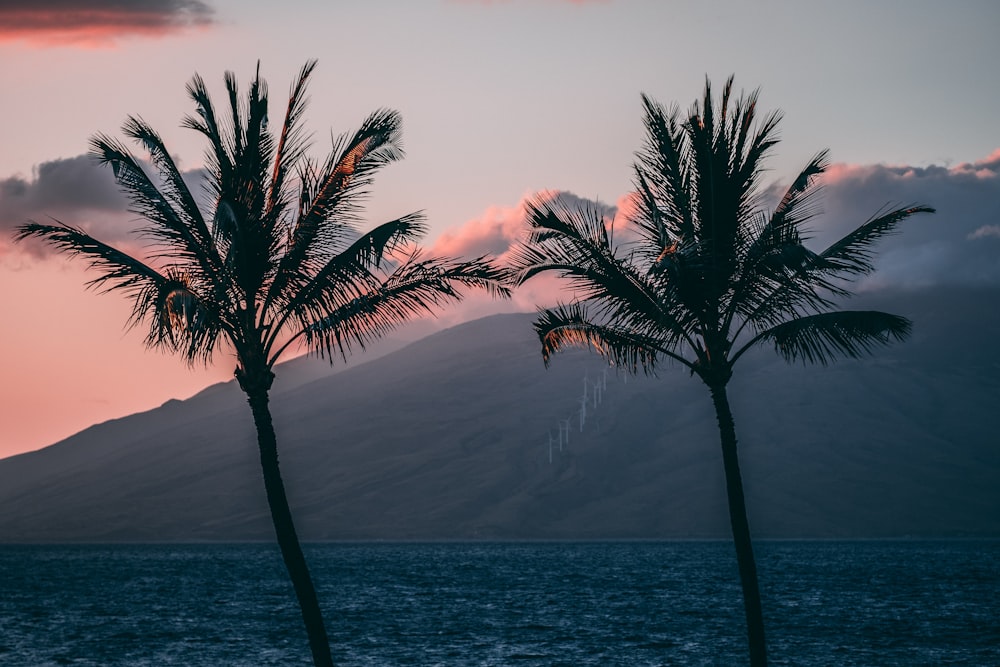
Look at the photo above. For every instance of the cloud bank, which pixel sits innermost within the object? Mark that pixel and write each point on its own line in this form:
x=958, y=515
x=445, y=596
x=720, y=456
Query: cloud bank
x=75, y=191
x=959, y=245
x=97, y=22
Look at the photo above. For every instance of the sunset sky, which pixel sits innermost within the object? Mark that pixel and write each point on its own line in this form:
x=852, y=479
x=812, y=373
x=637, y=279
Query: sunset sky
x=500, y=99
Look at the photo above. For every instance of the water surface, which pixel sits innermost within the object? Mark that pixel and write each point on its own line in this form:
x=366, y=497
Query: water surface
x=545, y=604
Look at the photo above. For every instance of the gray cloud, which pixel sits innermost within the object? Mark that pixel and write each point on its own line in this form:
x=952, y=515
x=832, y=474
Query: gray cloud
x=76, y=191
x=95, y=21
x=77, y=182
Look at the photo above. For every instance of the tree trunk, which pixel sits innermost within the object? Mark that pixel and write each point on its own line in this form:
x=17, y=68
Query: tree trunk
x=284, y=529
x=741, y=528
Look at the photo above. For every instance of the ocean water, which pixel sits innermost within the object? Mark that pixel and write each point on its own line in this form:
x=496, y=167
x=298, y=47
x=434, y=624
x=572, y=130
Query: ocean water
x=636, y=603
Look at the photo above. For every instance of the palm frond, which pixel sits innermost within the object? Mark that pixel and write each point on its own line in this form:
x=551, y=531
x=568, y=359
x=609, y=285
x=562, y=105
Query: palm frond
x=235, y=123
x=663, y=177
x=416, y=288
x=825, y=337
x=177, y=227
x=574, y=242
x=796, y=206
x=764, y=291
x=352, y=162
x=157, y=297
x=739, y=129
x=345, y=276
x=575, y=325
x=575, y=245
x=174, y=188
x=171, y=219
x=117, y=269
x=750, y=168
x=292, y=143
x=853, y=254
x=219, y=156
x=822, y=275
x=807, y=283
x=255, y=159
x=775, y=290
x=181, y=320
x=331, y=195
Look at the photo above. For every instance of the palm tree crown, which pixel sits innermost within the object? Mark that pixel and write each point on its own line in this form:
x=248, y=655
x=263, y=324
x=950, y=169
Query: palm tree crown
x=710, y=274
x=277, y=258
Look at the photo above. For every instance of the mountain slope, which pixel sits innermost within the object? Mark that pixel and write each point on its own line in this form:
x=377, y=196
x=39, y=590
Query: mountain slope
x=448, y=438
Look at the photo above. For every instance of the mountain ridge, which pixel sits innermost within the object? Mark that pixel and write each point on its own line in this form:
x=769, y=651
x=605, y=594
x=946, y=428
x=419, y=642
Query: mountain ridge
x=446, y=438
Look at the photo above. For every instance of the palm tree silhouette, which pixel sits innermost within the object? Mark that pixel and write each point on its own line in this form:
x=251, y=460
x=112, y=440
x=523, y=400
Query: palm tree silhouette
x=275, y=262
x=710, y=274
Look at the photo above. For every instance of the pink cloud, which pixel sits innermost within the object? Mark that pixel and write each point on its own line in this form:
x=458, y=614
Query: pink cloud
x=498, y=228
x=988, y=167
x=97, y=23
x=492, y=233
x=495, y=233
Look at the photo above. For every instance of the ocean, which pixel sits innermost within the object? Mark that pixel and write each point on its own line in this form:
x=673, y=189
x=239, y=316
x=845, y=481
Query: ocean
x=618, y=603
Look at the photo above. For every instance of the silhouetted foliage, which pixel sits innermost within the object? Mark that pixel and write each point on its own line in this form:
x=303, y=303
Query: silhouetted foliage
x=276, y=260
x=711, y=275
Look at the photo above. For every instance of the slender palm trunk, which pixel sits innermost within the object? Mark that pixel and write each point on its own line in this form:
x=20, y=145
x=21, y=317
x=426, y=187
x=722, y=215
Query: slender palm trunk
x=284, y=529
x=741, y=528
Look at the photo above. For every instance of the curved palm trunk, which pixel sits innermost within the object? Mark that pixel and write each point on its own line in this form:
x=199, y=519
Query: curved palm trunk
x=741, y=528
x=284, y=529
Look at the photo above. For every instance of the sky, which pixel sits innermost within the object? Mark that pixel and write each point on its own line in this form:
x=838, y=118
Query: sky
x=500, y=100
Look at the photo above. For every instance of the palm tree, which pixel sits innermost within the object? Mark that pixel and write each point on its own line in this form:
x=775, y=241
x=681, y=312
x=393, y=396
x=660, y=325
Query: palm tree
x=709, y=275
x=276, y=261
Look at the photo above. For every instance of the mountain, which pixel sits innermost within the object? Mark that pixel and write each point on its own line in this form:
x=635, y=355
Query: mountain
x=448, y=438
